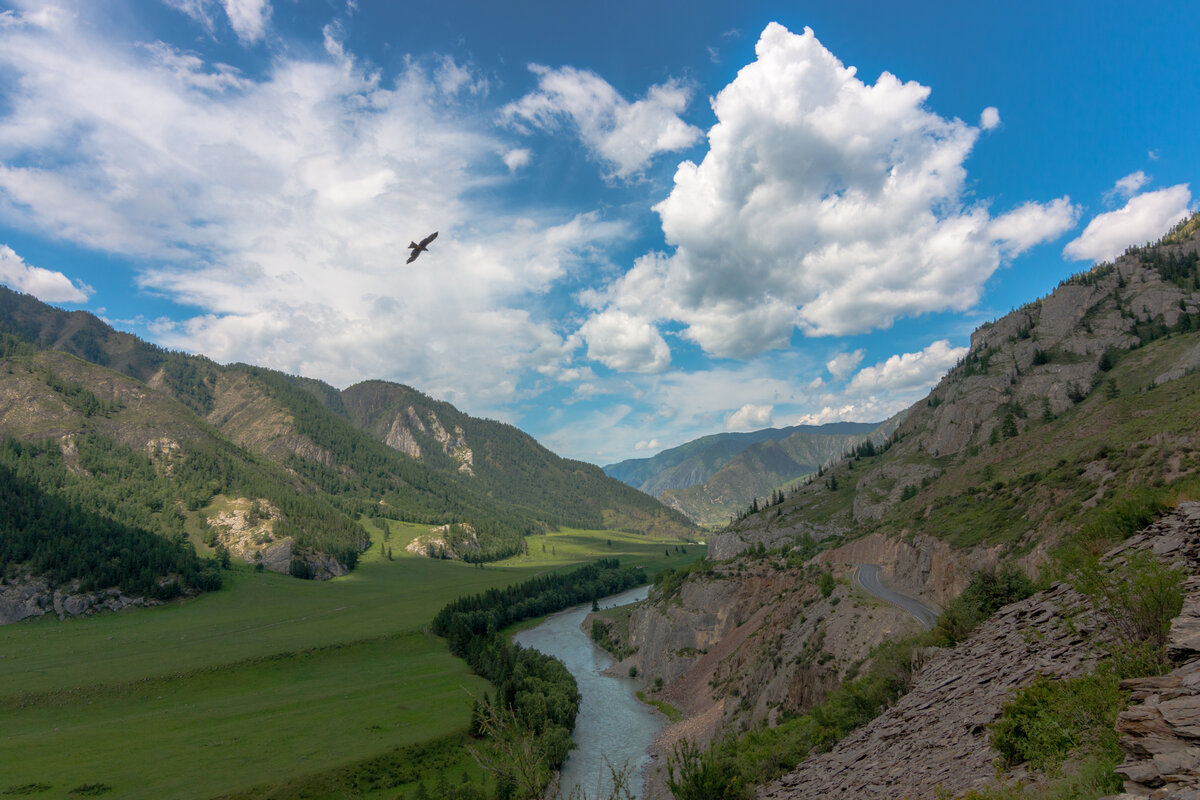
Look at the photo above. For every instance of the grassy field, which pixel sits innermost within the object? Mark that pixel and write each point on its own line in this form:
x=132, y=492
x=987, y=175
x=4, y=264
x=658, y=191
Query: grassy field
x=571, y=546
x=265, y=682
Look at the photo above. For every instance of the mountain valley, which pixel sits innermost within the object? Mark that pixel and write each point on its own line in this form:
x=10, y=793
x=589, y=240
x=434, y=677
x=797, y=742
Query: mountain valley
x=1005, y=500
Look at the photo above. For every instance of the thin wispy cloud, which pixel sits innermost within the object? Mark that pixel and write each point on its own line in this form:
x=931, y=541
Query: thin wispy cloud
x=624, y=136
x=281, y=206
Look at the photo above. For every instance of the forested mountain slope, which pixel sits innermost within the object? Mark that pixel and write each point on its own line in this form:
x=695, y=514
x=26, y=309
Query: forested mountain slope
x=271, y=467
x=502, y=461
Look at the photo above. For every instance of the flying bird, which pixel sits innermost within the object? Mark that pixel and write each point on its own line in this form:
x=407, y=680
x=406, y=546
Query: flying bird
x=417, y=249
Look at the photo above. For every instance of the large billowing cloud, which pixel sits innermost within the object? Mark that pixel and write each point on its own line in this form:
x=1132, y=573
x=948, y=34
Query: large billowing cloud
x=825, y=204
x=1145, y=218
x=625, y=136
x=843, y=364
x=281, y=206
x=908, y=372
x=44, y=284
x=749, y=417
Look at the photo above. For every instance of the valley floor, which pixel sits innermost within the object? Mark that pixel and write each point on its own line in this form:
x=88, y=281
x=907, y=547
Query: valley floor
x=264, y=682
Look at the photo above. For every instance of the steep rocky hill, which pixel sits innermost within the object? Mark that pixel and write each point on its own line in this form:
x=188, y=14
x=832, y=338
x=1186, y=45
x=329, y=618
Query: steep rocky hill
x=1072, y=416
x=1057, y=406
x=501, y=461
x=935, y=740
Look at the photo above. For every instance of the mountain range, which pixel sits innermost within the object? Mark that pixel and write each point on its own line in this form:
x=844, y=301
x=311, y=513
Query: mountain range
x=273, y=468
x=713, y=478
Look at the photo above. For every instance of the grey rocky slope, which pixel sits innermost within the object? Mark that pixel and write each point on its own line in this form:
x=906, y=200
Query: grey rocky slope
x=936, y=739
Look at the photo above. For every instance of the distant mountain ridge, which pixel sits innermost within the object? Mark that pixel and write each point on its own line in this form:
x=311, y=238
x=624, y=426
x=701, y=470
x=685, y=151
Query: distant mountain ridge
x=274, y=468
x=712, y=477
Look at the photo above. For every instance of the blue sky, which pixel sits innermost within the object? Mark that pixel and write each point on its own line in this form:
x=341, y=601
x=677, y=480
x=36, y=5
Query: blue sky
x=657, y=220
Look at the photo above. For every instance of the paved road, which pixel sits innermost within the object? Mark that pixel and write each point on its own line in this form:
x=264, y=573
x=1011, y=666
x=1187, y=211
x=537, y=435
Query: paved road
x=867, y=577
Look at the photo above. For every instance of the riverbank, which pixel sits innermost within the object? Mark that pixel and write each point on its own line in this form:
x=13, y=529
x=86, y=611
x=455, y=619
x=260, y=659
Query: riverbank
x=612, y=727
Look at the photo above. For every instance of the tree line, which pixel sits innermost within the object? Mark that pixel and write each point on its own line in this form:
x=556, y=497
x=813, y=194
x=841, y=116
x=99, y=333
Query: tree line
x=537, y=698
x=61, y=540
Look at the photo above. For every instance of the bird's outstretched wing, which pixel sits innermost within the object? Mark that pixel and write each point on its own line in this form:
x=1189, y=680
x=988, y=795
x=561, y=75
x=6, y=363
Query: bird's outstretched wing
x=417, y=249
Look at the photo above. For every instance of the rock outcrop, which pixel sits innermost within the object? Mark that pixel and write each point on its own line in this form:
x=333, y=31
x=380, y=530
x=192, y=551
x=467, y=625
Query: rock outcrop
x=935, y=739
x=1160, y=732
x=445, y=541
x=33, y=597
x=920, y=566
x=753, y=640
x=244, y=527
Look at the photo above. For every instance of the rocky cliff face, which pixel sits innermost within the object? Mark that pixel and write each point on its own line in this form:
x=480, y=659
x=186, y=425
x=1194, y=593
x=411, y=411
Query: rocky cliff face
x=1160, y=732
x=249, y=417
x=754, y=639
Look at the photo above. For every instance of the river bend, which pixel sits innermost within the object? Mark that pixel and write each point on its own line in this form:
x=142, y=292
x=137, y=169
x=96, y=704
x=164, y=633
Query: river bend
x=612, y=722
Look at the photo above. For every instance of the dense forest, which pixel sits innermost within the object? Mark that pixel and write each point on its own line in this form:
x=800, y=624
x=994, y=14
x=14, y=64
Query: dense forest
x=58, y=537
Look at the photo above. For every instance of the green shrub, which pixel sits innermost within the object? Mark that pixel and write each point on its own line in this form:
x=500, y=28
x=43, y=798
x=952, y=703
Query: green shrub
x=1139, y=597
x=1049, y=720
x=988, y=591
x=694, y=773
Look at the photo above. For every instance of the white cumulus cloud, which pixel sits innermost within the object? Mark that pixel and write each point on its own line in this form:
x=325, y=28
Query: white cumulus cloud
x=1032, y=223
x=908, y=372
x=624, y=342
x=517, y=158
x=826, y=204
x=749, y=417
x=623, y=135
x=887, y=387
x=989, y=118
x=1128, y=186
x=843, y=364
x=1145, y=218
x=46, y=285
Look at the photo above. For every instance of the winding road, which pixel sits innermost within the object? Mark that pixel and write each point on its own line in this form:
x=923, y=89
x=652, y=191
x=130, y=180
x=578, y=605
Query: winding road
x=867, y=577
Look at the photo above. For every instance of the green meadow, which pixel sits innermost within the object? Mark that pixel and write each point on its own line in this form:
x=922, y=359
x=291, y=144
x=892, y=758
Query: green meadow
x=271, y=681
